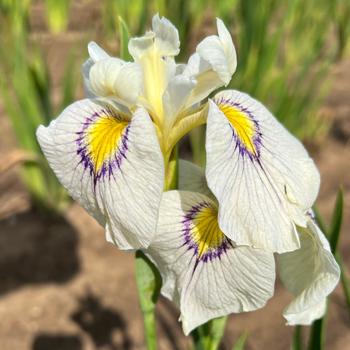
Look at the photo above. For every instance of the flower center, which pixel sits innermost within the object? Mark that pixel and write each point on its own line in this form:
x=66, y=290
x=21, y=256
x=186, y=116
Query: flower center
x=245, y=127
x=202, y=232
x=102, y=143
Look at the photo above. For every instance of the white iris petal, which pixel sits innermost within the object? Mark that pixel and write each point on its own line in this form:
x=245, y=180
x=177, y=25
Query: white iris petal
x=261, y=175
x=108, y=166
x=201, y=270
x=310, y=273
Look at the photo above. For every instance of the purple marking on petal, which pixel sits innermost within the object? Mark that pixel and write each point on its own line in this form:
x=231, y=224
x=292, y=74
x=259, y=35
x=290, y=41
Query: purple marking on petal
x=212, y=253
x=110, y=165
x=257, y=139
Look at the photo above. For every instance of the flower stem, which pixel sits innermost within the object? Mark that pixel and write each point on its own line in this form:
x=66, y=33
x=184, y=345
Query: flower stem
x=209, y=335
x=216, y=332
x=148, y=282
x=171, y=171
x=148, y=279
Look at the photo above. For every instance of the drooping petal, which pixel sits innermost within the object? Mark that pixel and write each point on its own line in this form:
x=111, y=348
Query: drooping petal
x=311, y=274
x=112, y=165
x=115, y=78
x=202, y=271
x=192, y=178
x=213, y=64
x=261, y=175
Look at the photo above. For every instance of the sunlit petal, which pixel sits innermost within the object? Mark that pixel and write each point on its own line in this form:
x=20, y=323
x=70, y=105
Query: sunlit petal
x=108, y=165
x=202, y=271
x=261, y=175
x=310, y=273
x=213, y=64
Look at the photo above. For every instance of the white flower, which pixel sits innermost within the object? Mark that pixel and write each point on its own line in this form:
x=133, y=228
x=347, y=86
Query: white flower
x=311, y=273
x=202, y=270
x=208, y=276
x=111, y=150
x=261, y=175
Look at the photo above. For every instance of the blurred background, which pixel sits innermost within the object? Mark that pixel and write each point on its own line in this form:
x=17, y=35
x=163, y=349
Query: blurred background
x=61, y=285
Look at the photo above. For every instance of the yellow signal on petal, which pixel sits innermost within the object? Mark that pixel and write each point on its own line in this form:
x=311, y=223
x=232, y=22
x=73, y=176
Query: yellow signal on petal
x=103, y=137
x=242, y=124
x=206, y=233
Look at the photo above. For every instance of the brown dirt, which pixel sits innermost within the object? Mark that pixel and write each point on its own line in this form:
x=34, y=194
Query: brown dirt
x=64, y=287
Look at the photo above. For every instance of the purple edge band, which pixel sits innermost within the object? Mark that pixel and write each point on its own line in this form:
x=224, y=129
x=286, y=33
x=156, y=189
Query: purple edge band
x=257, y=139
x=213, y=253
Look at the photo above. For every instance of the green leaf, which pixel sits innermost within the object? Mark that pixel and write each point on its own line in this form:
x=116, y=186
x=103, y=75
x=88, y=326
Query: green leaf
x=124, y=36
x=57, y=14
x=216, y=332
x=69, y=82
x=320, y=221
x=297, y=339
x=317, y=335
x=240, y=343
x=337, y=218
x=344, y=280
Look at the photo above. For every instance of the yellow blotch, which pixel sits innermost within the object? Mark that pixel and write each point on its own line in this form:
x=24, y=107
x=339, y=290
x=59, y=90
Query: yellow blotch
x=206, y=232
x=103, y=138
x=242, y=124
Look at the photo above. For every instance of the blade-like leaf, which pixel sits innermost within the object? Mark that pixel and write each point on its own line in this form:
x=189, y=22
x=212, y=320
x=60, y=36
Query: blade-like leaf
x=240, y=343
x=297, y=339
x=334, y=231
x=124, y=36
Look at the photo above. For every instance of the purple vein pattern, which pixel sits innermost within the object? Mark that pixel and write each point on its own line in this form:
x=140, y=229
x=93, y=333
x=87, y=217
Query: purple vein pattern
x=112, y=163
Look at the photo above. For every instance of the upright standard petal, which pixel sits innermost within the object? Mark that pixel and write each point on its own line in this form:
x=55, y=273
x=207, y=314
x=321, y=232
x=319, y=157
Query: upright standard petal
x=111, y=164
x=155, y=52
x=202, y=271
x=213, y=64
x=261, y=175
x=310, y=273
x=219, y=52
x=96, y=53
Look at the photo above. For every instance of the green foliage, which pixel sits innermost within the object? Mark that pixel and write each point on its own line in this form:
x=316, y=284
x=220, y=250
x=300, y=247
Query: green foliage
x=57, y=14
x=318, y=328
x=240, y=343
x=148, y=285
x=124, y=36
x=297, y=343
x=280, y=59
x=25, y=89
x=341, y=19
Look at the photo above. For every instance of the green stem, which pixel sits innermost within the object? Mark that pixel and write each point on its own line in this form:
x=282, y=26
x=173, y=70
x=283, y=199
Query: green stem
x=209, y=335
x=171, y=171
x=150, y=330
x=148, y=279
x=297, y=338
x=148, y=283
x=217, y=330
x=317, y=335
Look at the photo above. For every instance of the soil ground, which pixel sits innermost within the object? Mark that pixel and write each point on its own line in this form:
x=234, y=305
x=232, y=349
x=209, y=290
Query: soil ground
x=62, y=286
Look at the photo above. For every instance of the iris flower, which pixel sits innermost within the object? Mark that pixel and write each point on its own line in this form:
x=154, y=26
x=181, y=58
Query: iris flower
x=207, y=275
x=112, y=150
